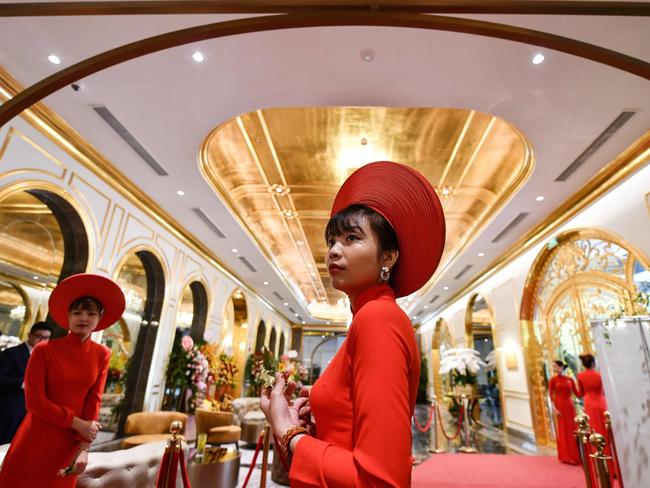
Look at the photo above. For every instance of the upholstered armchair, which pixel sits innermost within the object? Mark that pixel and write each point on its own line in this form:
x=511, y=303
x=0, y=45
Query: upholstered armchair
x=217, y=426
x=144, y=427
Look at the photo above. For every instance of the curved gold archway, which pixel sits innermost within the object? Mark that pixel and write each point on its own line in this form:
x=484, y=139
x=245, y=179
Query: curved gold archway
x=94, y=64
x=585, y=256
x=234, y=333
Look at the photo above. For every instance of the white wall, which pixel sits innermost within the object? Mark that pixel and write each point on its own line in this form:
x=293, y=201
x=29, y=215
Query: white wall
x=623, y=212
x=115, y=228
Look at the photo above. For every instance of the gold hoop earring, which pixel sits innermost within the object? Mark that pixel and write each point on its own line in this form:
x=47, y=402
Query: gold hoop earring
x=384, y=275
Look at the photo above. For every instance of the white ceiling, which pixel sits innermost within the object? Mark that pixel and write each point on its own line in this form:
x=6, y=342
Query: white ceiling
x=170, y=103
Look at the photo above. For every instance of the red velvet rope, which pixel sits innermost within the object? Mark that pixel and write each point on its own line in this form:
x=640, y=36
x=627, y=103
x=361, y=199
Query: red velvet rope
x=428, y=425
x=186, y=479
x=252, y=467
x=163, y=468
x=460, y=422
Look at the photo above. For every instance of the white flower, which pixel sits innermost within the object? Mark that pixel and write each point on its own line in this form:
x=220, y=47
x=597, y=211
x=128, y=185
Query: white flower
x=461, y=359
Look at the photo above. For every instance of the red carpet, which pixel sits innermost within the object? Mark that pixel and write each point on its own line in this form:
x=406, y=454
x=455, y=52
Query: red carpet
x=496, y=471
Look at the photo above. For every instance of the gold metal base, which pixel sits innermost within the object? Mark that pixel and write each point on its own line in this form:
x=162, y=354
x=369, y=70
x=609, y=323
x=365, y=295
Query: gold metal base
x=467, y=450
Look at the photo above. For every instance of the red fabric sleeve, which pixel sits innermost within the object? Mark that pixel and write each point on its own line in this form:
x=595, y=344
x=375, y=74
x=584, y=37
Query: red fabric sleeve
x=574, y=388
x=94, y=397
x=581, y=388
x=36, y=401
x=380, y=390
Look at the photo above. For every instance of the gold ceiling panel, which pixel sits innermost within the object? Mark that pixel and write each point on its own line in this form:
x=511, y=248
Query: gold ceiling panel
x=279, y=171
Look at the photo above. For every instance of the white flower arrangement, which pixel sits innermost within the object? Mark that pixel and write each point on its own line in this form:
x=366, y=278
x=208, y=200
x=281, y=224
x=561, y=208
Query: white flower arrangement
x=462, y=360
x=491, y=360
x=8, y=341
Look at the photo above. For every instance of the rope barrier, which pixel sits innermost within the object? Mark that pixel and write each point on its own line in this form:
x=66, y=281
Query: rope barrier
x=252, y=466
x=460, y=422
x=428, y=424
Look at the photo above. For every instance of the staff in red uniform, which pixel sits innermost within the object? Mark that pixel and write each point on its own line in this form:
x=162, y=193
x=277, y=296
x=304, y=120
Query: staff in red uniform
x=561, y=388
x=385, y=239
x=64, y=383
x=590, y=386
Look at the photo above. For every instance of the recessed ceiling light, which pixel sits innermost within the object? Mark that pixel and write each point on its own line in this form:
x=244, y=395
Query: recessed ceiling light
x=266, y=283
x=234, y=250
x=481, y=254
x=180, y=193
x=35, y=277
x=198, y=57
x=540, y=198
x=54, y=59
x=300, y=243
x=328, y=322
x=286, y=304
x=367, y=55
x=296, y=314
x=445, y=288
x=538, y=58
x=426, y=307
x=304, y=322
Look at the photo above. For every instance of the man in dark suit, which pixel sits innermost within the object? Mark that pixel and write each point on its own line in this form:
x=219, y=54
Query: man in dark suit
x=13, y=362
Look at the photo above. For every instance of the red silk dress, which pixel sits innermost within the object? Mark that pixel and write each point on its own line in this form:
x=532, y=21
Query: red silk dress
x=65, y=378
x=560, y=388
x=590, y=385
x=363, y=403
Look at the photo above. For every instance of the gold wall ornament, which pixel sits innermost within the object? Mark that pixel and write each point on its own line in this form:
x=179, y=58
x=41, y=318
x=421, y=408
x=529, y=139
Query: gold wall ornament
x=583, y=274
x=280, y=169
x=441, y=341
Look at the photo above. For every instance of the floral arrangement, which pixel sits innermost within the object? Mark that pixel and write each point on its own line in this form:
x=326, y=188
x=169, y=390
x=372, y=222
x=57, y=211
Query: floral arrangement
x=226, y=375
x=491, y=360
x=198, y=370
x=298, y=373
x=264, y=366
x=640, y=306
x=7, y=341
x=463, y=364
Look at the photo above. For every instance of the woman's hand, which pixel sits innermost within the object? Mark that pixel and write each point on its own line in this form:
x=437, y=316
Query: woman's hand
x=81, y=462
x=87, y=429
x=280, y=411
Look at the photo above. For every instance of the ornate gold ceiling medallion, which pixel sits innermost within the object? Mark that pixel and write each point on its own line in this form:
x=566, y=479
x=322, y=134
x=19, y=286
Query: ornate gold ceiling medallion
x=279, y=171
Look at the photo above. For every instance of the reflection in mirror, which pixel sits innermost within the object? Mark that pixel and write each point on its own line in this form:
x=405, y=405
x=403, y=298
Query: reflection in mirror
x=185, y=313
x=13, y=310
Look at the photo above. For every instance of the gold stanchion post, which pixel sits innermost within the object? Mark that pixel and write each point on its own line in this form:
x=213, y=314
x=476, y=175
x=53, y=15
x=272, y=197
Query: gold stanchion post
x=582, y=439
x=435, y=449
x=612, y=445
x=601, y=459
x=265, y=454
x=467, y=448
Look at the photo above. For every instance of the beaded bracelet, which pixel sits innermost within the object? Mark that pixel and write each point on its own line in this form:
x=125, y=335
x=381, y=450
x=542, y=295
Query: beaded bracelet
x=290, y=434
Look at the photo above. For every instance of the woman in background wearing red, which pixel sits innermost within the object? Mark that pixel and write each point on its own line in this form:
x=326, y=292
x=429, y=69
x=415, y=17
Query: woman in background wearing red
x=590, y=386
x=561, y=388
x=385, y=239
x=64, y=383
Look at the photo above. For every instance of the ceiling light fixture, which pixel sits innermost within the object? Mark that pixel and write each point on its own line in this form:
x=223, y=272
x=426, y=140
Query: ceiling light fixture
x=286, y=304
x=445, y=288
x=300, y=243
x=198, y=57
x=35, y=277
x=538, y=58
x=367, y=55
x=234, y=250
x=266, y=283
x=54, y=59
x=426, y=307
x=540, y=198
x=180, y=193
x=481, y=254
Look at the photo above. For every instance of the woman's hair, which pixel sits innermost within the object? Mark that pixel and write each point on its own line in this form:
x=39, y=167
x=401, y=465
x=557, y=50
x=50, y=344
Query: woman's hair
x=588, y=360
x=560, y=363
x=350, y=219
x=86, y=303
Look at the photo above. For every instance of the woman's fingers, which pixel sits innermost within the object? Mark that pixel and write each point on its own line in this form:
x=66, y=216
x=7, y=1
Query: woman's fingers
x=290, y=389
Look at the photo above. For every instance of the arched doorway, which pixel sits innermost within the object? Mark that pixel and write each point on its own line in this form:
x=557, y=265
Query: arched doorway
x=281, y=345
x=235, y=334
x=440, y=342
x=193, y=311
x=261, y=336
x=579, y=276
x=272, y=340
x=142, y=279
x=43, y=240
x=479, y=335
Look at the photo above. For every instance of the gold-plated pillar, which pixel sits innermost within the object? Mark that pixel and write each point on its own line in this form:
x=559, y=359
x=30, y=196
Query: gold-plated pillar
x=582, y=439
x=601, y=459
x=436, y=448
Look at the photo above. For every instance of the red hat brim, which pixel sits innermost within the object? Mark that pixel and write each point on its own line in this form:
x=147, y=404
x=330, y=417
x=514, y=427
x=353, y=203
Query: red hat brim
x=76, y=286
x=407, y=200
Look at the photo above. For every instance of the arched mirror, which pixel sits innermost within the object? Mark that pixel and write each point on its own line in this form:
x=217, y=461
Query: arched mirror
x=479, y=330
x=234, y=334
x=281, y=344
x=259, y=338
x=193, y=311
x=42, y=241
x=272, y=340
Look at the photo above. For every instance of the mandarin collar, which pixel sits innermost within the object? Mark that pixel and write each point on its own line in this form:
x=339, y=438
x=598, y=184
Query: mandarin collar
x=75, y=341
x=373, y=292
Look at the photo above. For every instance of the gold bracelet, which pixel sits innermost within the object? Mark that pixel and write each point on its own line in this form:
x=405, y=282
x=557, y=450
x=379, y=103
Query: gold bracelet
x=290, y=434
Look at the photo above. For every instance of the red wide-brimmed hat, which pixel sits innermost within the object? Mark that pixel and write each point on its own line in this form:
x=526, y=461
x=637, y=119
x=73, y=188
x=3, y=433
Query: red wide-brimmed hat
x=406, y=199
x=106, y=291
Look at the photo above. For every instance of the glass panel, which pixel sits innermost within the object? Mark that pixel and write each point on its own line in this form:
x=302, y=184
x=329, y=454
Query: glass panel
x=641, y=277
x=185, y=310
x=565, y=332
x=12, y=310
x=30, y=237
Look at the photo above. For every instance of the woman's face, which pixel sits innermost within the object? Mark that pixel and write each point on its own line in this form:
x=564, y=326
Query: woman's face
x=353, y=260
x=557, y=369
x=83, y=322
